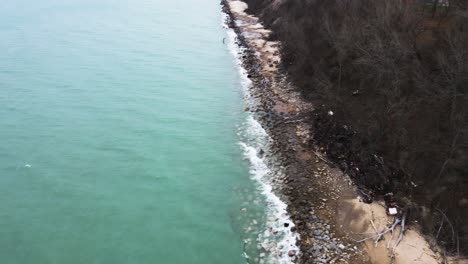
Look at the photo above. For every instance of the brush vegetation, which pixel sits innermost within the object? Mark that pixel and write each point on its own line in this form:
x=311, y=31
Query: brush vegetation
x=395, y=73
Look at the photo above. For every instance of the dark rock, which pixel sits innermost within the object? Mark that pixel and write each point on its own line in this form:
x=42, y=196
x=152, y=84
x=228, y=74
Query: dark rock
x=331, y=246
x=317, y=248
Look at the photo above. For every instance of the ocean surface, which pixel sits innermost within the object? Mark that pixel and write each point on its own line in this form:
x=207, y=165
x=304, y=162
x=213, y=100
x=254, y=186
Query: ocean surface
x=124, y=137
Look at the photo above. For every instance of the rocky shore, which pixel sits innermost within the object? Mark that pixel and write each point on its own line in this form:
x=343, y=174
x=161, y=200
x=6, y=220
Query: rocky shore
x=322, y=201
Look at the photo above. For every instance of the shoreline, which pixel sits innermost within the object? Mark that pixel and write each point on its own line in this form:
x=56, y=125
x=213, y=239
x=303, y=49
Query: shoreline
x=322, y=202
x=277, y=242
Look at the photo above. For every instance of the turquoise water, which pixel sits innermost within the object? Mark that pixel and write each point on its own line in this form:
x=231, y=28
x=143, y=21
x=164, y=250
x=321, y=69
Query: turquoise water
x=119, y=122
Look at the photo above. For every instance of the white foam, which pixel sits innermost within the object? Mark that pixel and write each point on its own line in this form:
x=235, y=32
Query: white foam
x=277, y=239
x=284, y=240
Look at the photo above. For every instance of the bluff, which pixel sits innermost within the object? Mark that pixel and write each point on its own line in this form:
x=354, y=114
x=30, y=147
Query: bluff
x=395, y=76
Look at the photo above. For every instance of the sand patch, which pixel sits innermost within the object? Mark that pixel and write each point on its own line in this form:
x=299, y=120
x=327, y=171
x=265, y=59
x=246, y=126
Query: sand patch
x=257, y=36
x=355, y=217
x=238, y=7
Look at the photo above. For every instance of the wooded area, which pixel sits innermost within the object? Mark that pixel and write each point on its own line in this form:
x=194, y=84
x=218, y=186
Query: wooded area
x=395, y=73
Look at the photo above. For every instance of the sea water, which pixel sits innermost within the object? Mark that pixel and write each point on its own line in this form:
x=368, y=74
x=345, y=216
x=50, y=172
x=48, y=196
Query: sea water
x=123, y=137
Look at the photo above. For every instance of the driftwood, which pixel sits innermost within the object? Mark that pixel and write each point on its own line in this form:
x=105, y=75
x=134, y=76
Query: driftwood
x=379, y=235
x=402, y=232
x=319, y=156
